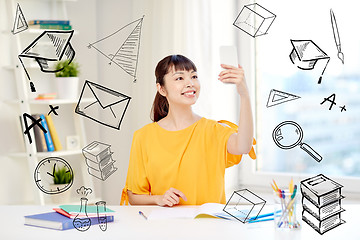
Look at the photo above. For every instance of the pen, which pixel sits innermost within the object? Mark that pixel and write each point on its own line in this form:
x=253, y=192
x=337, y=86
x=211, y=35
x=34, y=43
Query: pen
x=142, y=214
x=261, y=220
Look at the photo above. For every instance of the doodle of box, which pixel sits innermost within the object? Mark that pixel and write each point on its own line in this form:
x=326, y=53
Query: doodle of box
x=254, y=19
x=244, y=205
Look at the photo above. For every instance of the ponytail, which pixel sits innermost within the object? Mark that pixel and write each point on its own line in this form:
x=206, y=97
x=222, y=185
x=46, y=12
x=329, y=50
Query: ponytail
x=160, y=108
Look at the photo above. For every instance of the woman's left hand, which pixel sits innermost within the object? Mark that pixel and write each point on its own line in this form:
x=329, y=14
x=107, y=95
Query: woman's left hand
x=234, y=75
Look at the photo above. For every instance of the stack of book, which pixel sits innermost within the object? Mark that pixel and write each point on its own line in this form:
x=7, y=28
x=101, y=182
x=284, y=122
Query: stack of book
x=63, y=217
x=98, y=157
x=321, y=203
x=50, y=24
x=45, y=141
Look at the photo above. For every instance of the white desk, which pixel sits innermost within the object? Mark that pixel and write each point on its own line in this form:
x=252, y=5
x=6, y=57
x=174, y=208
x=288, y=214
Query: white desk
x=129, y=224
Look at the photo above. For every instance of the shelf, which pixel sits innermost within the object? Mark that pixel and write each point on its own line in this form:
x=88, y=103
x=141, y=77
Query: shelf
x=48, y=154
x=52, y=101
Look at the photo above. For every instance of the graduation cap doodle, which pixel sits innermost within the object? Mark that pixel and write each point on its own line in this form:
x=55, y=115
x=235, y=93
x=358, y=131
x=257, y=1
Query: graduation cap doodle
x=48, y=49
x=306, y=53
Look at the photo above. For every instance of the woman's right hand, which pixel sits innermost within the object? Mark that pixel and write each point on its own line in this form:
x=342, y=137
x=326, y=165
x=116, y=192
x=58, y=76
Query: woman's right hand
x=171, y=197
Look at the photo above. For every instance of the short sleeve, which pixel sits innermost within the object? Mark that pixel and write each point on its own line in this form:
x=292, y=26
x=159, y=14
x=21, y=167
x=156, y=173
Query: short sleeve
x=136, y=181
x=224, y=130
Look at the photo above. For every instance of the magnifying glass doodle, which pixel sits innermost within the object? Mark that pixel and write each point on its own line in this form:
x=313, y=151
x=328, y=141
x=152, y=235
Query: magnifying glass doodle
x=289, y=134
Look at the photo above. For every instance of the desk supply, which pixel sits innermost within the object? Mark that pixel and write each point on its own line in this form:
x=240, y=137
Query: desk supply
x=142, y=214
x=54, y=220
x=321, y=203
x=285, y=206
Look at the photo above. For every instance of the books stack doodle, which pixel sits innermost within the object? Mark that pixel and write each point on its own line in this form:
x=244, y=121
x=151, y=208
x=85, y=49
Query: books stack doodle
x=321, y=203
x=98, y=158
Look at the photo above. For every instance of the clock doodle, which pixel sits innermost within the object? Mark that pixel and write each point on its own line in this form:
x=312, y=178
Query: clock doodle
x=45, y=173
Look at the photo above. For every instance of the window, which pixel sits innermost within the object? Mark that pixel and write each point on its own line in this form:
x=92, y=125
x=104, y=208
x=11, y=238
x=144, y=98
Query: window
x=331, y=133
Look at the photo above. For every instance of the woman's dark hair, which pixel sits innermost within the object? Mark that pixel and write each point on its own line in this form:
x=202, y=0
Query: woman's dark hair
x=160, y=106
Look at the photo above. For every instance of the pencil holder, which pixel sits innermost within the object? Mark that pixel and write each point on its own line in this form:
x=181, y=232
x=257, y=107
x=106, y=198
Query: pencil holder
x=285, y=210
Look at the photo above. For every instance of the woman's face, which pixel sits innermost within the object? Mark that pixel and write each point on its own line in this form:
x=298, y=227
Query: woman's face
x=181, y=87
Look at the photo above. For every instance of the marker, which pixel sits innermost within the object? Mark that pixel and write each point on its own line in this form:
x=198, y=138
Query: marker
x=142, y=214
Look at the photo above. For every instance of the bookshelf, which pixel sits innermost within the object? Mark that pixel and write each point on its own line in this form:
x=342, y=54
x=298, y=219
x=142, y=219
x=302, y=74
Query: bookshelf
x=71, y=123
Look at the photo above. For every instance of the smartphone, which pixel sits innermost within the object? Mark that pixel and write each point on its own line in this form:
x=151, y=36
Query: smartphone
x=228, y=55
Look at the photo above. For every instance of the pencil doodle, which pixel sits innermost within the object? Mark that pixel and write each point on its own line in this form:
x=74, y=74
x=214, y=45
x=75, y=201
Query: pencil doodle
x=46, y=178
x=35, y=122
x=244, y=205
x=53, y=109
x=126, y=56
x=84, y=191
x=277, y=97
x=331, y=100
x=321, y=200
x=101, y=214
x=98, y=158
x=335, y=30
x=254, y=19
x=305, y=54
x=47, y=49
x=20, y=23
x=82, y=222
x=110, y=104
x=289, y=134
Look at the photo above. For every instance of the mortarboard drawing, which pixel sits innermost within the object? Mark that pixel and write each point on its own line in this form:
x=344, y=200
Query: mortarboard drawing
x=98, y=158
x=336, y=36
x=321, y=200
x=277, y=97
x=254, y=19
x=107, y=106
x=306, y=53
x=289, y=134
x=125, y=56
x=20, y=23
x=244, y=205
x=47, y=49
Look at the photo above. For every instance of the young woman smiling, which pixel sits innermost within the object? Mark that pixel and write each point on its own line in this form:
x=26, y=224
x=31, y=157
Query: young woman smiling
x=181, y=157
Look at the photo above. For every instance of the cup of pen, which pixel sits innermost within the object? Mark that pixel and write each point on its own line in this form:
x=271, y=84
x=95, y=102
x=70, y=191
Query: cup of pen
x=285, y=216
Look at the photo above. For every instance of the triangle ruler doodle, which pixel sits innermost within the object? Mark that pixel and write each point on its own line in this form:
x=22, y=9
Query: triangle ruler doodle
x=277, y=97
x=20, y=23
x=126, y=55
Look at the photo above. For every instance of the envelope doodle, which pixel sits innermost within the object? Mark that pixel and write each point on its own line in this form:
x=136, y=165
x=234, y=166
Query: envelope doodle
x=106, y=106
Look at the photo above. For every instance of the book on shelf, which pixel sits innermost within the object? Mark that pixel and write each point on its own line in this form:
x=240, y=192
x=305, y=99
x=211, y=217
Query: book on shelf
x=53, y=133
x=49, y=142
x=55, y=220
x=39, y=137
x=53, y=22
x=46, y=96
x=51, y=26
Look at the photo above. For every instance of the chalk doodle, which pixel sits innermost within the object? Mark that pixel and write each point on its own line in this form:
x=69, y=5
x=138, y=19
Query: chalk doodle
x=53, y=110
x=48, y=49
x=254, y=19
x=98, y=158
x=35, y=122
x=20, y=23
x=126, y=56
x=321, y=200
x=244, y=205
x=101, y=214
x=305, y=54
x=84, y=191
x=289, y=134
x=107, y=107
x=82, y=222
x=44, y=175
x=277, y=97
x=331, y=100
x=336, y=36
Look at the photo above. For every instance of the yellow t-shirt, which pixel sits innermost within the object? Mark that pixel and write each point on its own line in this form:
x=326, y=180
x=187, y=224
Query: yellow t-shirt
x=192, y=160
